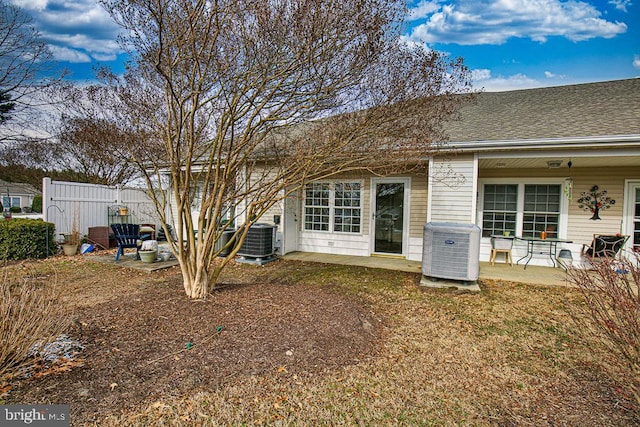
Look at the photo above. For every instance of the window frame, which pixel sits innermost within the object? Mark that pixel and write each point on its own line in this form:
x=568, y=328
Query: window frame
x=535, y=231
x=314, y=207
x=521, y=182
x=332, y=207
x=11, y=200
x=505, y=212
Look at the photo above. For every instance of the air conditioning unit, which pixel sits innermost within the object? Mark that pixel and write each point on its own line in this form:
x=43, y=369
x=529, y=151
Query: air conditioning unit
x=259, y=245
x=451, y=251
x=223, y=241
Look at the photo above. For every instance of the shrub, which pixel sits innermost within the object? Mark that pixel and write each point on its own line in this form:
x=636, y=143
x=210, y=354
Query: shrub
x=29, y=318
x=16, y=209
x=36, y=205
x=26, y=238
x=612, y=311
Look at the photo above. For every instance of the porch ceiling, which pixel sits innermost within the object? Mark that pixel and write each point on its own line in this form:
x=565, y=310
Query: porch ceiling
x=510, y=162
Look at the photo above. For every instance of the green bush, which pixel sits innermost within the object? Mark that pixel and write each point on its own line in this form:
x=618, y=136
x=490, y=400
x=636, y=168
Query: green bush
x=36, y=205
x=26, y=238
x=16, y=209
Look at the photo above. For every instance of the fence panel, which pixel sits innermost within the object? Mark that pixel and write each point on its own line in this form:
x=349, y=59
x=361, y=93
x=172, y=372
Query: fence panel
x=88, y=205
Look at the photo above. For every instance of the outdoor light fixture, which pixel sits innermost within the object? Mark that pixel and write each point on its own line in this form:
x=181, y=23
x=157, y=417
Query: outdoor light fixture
x=553, y=164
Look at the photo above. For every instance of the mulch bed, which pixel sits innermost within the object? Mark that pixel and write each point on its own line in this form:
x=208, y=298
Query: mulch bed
x=156, y=342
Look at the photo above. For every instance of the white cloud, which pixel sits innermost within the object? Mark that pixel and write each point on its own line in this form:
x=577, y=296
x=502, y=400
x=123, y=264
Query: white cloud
x=469, y=22
x=68, y=55
x=106, y=48
x=621, y=4
x=480, y=74
x=550, y=75
x=76, y=30
x=482, y=79
x=423, y=9
x=30, y=4
x=636, y=61
x=413, y=43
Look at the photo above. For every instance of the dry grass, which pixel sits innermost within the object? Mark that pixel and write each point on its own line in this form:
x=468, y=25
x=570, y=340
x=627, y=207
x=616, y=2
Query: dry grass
x=29, y=317
x=507, y=356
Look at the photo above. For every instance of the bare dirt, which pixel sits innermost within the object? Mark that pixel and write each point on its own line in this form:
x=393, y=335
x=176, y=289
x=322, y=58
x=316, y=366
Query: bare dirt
x=150, y=340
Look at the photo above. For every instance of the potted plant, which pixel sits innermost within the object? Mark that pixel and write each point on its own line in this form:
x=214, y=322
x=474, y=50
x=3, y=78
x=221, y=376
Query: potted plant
x=148, y=251
x=72, y=240
x=148, y=256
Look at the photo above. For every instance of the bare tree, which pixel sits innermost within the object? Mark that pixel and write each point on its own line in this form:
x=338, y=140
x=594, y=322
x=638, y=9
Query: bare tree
x=26, y=69
x=85, y=143
x=248, y=101
x=92, y=147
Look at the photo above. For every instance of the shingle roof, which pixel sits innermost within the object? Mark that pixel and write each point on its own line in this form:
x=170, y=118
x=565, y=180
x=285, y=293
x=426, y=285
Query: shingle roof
x=583, y=110
x=17, y=189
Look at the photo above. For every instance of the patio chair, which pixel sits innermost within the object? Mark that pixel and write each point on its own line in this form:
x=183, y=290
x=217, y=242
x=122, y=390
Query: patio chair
x=604, y=246
x=127, y=236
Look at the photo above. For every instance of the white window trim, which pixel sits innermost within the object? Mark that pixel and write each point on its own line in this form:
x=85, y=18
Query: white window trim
x=628, y=218
x=563, y=220
x=332, y=206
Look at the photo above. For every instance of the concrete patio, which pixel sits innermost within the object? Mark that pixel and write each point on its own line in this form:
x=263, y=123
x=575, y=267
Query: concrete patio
x=128, y=260
x=500, y=271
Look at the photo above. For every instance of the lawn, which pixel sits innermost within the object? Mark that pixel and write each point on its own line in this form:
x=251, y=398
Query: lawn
x=294, y=343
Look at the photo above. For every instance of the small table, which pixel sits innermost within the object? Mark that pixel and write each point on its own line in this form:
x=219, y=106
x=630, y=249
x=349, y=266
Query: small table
x=552, y=242
x=501, y=244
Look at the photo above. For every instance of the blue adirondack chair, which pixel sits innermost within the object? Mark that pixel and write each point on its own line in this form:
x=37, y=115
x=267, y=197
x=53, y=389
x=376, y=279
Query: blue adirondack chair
x=127, y=236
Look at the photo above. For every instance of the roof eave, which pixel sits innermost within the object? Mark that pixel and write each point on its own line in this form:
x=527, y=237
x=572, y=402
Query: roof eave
x=589, y=142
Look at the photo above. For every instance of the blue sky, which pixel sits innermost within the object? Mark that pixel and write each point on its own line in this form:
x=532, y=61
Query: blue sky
x=508, y=44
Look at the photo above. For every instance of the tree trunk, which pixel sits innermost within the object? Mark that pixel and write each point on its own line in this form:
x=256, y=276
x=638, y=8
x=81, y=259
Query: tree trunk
x=196, y=277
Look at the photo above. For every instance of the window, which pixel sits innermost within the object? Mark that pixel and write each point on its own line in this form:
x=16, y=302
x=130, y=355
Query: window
x=316, y=207
x=522, y=209
x=333, y=207
x=347, y=207
x=500, y=209
x=541, y=210
x=8, y=202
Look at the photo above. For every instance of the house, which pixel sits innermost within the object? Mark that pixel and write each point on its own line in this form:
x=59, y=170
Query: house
x=525, y=161
x=17, y=195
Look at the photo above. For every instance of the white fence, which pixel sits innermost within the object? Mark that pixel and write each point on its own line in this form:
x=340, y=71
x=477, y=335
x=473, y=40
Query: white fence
x=93, y=205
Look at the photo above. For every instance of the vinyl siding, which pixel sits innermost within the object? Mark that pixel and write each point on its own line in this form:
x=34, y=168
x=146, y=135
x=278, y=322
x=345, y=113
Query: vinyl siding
x=452, y=190
x=418, y=205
